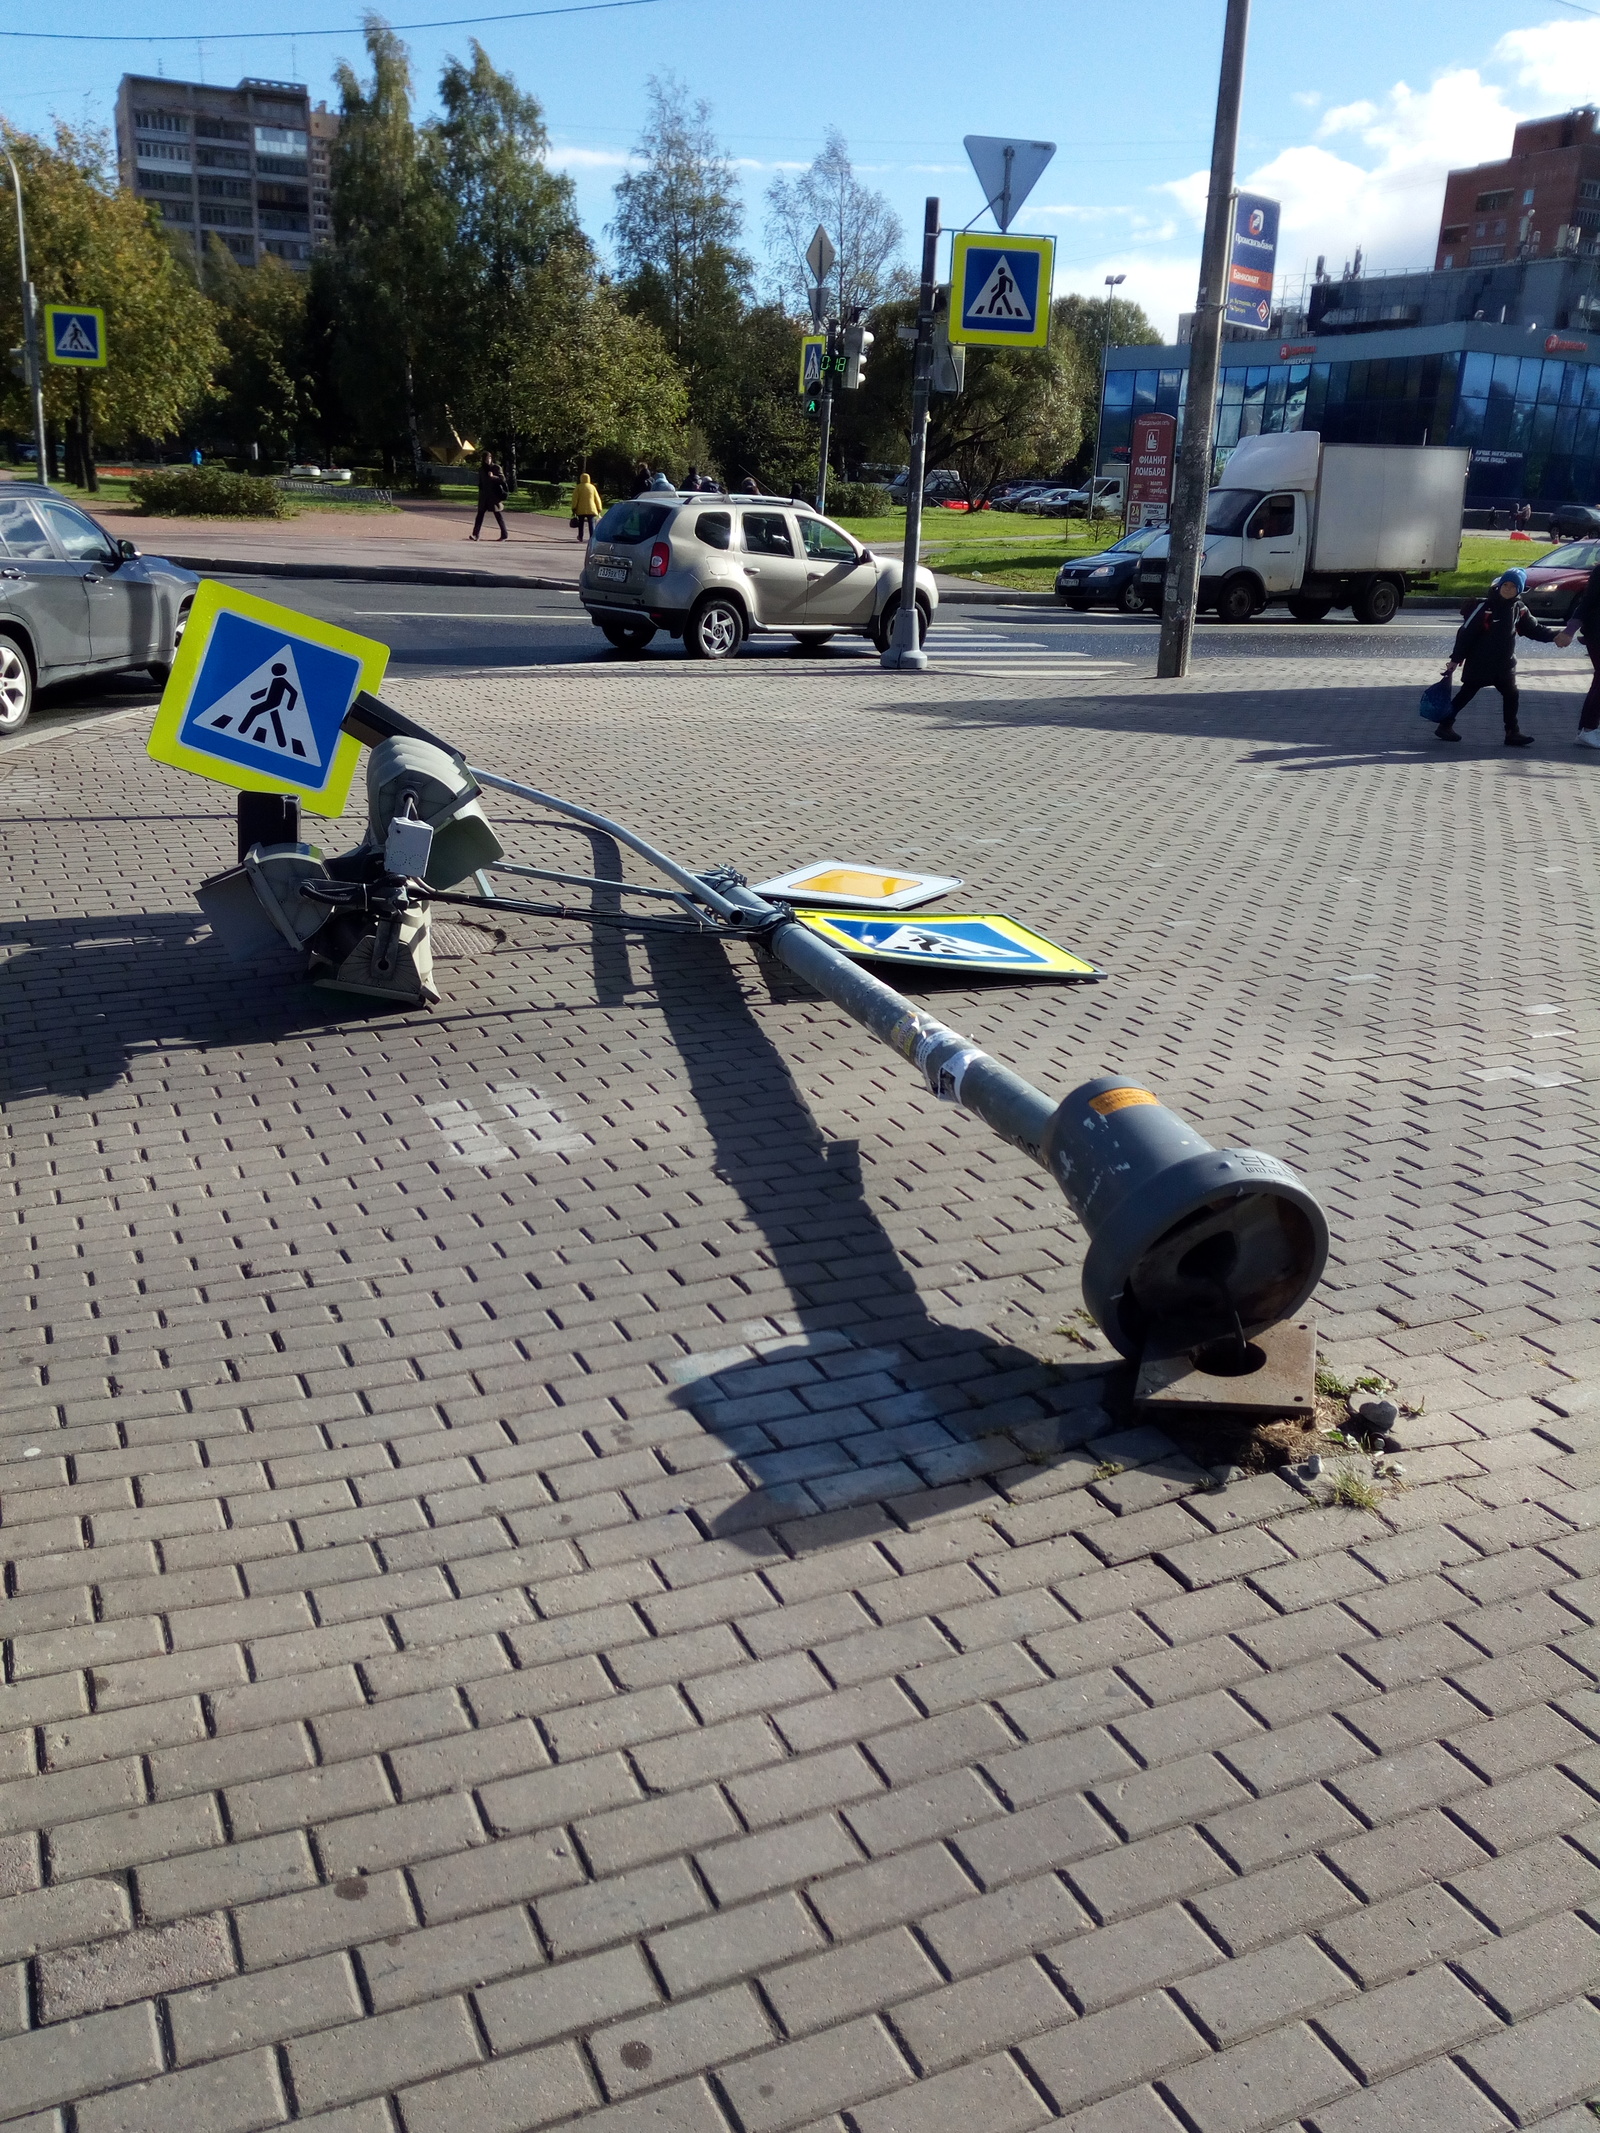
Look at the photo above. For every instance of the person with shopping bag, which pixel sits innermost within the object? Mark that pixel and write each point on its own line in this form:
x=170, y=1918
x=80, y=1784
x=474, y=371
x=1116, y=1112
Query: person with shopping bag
x=1486, y=652
x=586, y=506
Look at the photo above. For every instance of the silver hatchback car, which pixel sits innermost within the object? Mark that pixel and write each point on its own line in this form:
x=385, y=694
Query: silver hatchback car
x=714, y=569
x=74, y=601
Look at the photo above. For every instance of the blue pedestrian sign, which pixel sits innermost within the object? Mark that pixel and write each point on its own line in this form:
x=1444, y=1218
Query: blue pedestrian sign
x=257, y=698
x=1000, y=291
x=988, y=941
x=75, y=334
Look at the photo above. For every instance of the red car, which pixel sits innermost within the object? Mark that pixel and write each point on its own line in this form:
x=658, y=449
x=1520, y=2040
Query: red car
x=1556, y=580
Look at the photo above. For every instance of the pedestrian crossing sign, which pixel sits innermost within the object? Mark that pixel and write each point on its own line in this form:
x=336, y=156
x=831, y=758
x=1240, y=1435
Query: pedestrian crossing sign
x=75, y=334
x=1000, y=291
x=813, y=354
x=989, y=943
x=257, y=698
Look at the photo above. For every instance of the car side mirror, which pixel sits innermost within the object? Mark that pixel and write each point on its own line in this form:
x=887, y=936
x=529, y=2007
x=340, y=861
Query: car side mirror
x=126, y=552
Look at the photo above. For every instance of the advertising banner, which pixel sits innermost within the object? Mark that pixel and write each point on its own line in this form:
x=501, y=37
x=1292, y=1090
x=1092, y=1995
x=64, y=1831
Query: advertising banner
x=1252, y=263
x=1153, y=450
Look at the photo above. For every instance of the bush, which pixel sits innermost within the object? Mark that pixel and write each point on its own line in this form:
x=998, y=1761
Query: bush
x=206, y=492
x=858, y=499
x=547, y=495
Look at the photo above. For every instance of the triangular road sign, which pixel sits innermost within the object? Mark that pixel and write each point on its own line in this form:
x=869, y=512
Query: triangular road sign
x=1007, y=170
x=1001, y=298
x=820, y=254
x=268, y=710
x=72, y=340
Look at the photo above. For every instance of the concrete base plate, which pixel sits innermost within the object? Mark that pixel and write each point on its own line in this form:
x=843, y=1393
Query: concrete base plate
x=1283, y=1383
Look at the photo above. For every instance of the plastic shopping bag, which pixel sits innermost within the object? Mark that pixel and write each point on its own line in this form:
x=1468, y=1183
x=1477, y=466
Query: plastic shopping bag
x=1435, y=702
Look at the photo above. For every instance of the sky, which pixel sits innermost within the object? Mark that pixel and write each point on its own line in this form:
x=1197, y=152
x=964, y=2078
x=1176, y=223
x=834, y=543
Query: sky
x=1352, y=113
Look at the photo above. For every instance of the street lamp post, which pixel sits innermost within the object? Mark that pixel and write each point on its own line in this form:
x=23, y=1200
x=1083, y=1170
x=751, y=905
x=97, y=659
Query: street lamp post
x=1113, y=281
x=30, y=322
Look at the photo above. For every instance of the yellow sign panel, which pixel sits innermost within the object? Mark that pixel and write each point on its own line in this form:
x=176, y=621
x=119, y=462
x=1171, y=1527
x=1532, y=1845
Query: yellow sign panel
x=257, y=698
x=813, y=353
x=75, y=334
x=991, y=943
x=848, y=881
x=1000, y=291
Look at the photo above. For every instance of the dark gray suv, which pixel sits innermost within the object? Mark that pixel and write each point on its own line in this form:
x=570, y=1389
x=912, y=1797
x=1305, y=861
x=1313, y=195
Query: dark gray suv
x=74, y=601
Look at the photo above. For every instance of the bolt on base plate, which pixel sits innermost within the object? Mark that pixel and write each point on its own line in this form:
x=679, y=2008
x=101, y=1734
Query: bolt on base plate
x=1278, y=1376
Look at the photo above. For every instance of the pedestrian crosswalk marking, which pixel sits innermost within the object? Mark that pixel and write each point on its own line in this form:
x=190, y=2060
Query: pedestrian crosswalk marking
x=266, y=709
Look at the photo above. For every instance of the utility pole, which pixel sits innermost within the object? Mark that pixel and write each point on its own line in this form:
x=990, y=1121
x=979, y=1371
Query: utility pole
x=1193, y=484
x=1113, y=281
x=905, y=647
x=32, y=353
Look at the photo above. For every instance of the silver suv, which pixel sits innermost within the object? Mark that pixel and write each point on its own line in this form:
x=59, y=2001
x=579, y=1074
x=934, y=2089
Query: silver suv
x=713, y=569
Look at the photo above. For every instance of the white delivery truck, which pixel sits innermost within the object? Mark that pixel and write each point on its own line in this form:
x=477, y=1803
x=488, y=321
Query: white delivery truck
x=1319, y=526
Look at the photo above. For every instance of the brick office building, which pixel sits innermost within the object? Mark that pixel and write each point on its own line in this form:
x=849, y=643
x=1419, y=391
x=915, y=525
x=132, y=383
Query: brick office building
x=1543, y=198
x=247, y=165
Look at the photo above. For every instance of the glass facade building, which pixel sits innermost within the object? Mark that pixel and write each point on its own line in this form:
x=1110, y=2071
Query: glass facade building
x=1532, y=420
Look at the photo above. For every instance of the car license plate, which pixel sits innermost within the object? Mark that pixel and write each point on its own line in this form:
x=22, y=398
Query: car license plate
x=611, y=573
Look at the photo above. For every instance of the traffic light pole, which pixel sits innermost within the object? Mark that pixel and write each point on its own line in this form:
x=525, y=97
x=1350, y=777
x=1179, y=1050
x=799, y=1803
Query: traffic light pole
x=1193, y=485
x=30, y=324
x=905, y=647
x=825, y=410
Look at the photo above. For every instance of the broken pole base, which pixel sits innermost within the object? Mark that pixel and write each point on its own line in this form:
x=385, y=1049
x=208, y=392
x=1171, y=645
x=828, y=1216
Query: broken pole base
x=1279, y=1377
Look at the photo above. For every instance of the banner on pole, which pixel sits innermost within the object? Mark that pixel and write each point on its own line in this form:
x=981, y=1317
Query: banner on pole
x=1252, y=263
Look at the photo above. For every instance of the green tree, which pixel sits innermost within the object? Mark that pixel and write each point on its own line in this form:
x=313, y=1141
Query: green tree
x=386, y=275
x=1084, y=317
x=92, y=242
x=677, y=229
x=593, y=378
x=513, y=237
x=267, y=386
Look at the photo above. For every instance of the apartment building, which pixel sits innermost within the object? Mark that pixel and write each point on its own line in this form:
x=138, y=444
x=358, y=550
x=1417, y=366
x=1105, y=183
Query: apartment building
x=1543, y=198
x=249, y=166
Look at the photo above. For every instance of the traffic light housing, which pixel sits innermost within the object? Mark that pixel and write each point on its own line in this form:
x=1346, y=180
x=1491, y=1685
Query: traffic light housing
x=857, y=344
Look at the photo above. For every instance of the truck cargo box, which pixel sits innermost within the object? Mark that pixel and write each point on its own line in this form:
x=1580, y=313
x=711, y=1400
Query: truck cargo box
x=1388, y=507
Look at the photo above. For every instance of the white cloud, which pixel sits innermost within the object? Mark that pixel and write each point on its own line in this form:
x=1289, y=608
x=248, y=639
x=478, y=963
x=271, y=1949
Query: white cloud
x=1308, y=99
x=1558, y=61
x=591, y=158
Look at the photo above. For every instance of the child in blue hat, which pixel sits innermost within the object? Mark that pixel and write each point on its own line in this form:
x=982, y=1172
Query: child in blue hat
x=1486, y=652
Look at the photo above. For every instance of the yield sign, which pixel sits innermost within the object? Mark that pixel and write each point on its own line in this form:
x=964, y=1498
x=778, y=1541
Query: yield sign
x=820, y=254
x=1007, y=170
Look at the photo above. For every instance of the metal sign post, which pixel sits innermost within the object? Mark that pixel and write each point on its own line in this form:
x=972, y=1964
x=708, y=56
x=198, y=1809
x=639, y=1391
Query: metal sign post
x=30, y=324
x=1194, y=460
x=905, y=647
x=830, y=363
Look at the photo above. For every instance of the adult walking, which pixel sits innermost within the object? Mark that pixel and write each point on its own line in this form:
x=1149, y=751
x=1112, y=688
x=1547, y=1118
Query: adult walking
x=586, y=505
x=1486, y=652
x=491, y=495
x=1583, y=620
x=642, y=479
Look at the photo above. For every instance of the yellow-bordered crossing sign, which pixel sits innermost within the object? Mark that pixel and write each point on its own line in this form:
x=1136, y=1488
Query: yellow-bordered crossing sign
x=1000, y=291
x=75, y=334
x=257, y=698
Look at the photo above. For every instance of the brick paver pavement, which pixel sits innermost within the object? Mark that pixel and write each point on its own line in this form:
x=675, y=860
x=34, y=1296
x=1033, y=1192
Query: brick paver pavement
x=563, y=1565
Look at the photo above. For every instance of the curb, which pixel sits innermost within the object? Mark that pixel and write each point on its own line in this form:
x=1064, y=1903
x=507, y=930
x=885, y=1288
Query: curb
x=372, y=573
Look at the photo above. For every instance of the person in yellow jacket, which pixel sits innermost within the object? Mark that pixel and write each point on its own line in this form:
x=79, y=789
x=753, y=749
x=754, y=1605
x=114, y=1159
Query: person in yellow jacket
x=586, y=506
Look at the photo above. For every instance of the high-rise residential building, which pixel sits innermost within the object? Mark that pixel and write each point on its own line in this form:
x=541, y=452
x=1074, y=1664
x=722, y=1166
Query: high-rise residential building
x=1543, y=198
x=249, y=166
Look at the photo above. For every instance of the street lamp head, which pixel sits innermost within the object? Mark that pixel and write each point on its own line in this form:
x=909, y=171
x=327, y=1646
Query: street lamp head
x=1114, y=281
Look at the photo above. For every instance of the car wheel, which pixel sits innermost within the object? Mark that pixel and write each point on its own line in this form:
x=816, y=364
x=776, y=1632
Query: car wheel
x=1132, y=600
x=716, y=629
x=1237, y=601
x=813, y=640
x=16, y=686
x=627, y=636
x=1378, y=601
x=883, y=635
x=1310, y=610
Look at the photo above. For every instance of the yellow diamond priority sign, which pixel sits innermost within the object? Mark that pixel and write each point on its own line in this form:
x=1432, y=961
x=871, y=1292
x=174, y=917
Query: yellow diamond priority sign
x=257, y=698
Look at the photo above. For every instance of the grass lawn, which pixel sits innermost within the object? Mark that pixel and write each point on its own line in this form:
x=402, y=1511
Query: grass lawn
x=1482, y=562
x=114, y=490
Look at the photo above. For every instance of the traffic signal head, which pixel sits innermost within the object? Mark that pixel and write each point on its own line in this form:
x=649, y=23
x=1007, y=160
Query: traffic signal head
x=857, y=344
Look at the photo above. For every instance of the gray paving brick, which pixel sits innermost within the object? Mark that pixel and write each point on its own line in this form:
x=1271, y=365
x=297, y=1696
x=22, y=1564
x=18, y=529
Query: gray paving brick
x=73, y=2059
x=754, y=1936
x=507, y=2097
x=1403, y=1934
x=1389, y=1860
x=59, y=1916
x=572, y=1995
x=823, y=1989
x=989, y=2092
x=263, y=2007
x=691, y=2036
x=980, y=2014
x=1263, y=2083
x=232, y=1874
x=382, y=2052
x=1116, y=1962
x=1534, y=2069
x=1263, y=1991
x=987, y=1930
x=512, y=1869
x=238, y=2095
x=312, y=1921
x=641, y=1901
x=1543, y=1965
x=1414, y=2018
x=1085, y=2061
x=1428, y=2097
x=790, y=2085
x=134, y=1966
x=1520, y=1886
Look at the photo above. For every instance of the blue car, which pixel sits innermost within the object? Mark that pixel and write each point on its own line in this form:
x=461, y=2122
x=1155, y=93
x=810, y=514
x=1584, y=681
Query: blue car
x=1109, y=579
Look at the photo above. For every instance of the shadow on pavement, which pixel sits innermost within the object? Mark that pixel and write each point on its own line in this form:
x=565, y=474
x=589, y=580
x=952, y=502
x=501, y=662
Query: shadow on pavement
x=872, y=1398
